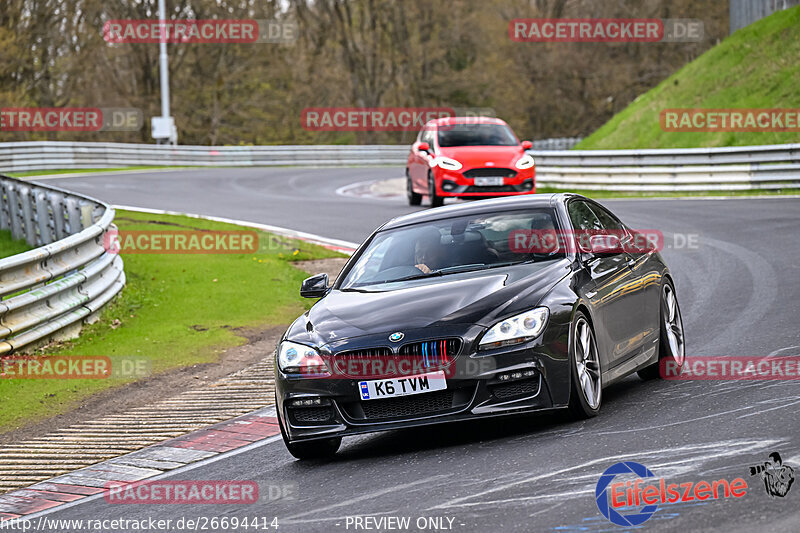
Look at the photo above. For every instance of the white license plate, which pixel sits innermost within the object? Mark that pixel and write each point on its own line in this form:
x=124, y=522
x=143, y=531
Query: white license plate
x=377, y=389
x=481, y=182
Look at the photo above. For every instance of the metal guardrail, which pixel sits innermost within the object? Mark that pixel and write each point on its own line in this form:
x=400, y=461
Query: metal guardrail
x=742, y=13
x=560, y=143
x=690, y=169
x=46, y=155
x=672, y=170
x=48, y=292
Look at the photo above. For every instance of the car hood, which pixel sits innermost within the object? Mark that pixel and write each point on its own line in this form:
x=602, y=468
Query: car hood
x=480, y=297
x=479, y=156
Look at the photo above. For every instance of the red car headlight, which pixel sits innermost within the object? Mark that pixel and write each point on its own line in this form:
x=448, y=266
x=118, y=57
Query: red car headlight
x=525, y=162
x=446, y=163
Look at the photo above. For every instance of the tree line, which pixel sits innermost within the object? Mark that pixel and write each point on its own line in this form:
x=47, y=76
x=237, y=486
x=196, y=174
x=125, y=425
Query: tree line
x=348, y=53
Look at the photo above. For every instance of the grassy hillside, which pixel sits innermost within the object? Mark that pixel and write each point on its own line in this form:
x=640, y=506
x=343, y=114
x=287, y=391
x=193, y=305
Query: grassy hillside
x=756, y=67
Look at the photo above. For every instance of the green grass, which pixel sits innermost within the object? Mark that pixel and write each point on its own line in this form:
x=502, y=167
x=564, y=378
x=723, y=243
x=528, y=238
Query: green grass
x=10, y=246
x=176, y=311
x=682, y=194
x=756, y=67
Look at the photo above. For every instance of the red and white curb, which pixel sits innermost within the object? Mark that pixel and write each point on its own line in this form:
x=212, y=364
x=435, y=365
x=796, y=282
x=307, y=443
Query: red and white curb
x=256, y=428
x=32, y=461
x=91, y=441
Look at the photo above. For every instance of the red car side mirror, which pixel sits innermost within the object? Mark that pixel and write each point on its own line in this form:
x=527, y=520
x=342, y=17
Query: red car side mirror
x=423, y=147
x=527, y=145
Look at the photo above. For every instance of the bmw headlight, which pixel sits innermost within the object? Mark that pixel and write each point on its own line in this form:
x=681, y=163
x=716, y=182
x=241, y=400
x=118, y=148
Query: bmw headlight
x=296, y=358
x=526, y=161
x=516, y=329
x=446, y=163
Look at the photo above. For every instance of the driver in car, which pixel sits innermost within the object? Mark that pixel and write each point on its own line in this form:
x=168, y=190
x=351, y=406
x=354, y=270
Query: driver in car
x=428, y=251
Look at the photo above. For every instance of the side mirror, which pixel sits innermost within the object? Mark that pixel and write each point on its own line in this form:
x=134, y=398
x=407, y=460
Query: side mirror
x=315, y=286
x=424, y=147
x=604, y=244
x=527, y=145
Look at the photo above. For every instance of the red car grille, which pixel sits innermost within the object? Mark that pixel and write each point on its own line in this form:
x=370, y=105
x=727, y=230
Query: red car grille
x=497, y=188
x=490, y=172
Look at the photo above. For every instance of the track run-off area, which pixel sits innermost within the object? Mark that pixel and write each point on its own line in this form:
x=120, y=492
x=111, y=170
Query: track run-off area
x=736, y=264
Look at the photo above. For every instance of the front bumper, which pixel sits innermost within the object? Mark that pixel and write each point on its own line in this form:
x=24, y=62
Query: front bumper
x=454, y=184
x=474, y=390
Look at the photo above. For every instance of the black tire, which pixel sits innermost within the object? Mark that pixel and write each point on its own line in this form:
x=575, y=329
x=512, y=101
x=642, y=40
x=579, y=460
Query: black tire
x=315, y=449
x=665, y=350
x=436, y=201
x=413, y=198
x=580, y=406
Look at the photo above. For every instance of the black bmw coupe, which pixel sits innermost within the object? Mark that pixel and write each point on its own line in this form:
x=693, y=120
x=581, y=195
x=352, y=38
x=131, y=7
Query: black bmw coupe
x=476, y=310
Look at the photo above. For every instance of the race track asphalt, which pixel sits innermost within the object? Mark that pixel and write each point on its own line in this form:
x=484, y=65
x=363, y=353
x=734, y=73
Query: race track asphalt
x=738, y=288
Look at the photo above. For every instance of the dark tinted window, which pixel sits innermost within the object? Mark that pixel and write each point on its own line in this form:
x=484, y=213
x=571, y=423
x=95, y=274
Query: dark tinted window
x=606, y=219
x=582, y=216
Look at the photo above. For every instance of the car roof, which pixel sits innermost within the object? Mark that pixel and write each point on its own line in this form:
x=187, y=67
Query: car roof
x=450, y=121
x=480, y=207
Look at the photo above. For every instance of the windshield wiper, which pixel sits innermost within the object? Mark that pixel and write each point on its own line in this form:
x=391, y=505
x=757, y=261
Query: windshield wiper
x=423, y=275
x=460, y=268
x=431, y=274
x=456, y=270
x=442, y=271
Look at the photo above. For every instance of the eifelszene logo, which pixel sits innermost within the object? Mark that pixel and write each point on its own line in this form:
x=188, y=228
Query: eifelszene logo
x=632, y=503
x=607, y=508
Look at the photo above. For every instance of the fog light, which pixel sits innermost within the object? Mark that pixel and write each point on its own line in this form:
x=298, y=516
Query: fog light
x=527, y=185
x=517, y=374
x=308, y=402
x=448, y=185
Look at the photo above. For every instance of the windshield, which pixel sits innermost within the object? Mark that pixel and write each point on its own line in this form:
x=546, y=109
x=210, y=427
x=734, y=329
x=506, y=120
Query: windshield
x=476, y=135
x=449, y=246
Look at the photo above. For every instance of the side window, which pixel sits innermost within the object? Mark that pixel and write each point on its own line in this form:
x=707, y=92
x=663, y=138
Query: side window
x=607, y=220
x=427, y=136
x=582, y=216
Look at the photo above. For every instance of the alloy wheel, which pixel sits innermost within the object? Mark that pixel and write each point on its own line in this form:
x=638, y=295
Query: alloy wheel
x=673, y=325
x=587, y=363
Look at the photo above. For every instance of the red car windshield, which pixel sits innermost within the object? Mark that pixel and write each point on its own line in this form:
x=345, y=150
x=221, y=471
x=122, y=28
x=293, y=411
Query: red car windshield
x=476, y=135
